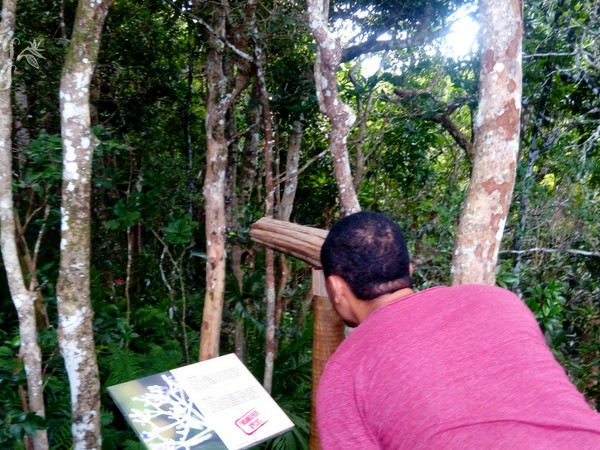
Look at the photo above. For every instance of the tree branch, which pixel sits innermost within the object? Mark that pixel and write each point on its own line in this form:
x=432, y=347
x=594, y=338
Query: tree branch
x=553, y=250
x=374, y=45
x=286, y=177
x=212, y=31
x=442, y=118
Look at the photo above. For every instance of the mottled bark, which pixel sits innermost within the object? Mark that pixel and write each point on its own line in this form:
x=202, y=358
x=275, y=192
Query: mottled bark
x=214, y=198
x=75, y=331
x=341, y=116
x=217, y=104
x=23, y=298
x=224, y=85
x=496, y=144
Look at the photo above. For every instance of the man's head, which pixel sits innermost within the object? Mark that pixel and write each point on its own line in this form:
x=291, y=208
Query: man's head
x=367, y=250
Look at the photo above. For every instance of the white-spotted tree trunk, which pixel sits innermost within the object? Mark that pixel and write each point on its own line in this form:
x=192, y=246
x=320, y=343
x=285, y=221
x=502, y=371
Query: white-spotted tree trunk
x=23, y=299
x=496, y=144
x=221, y=96
x=341, y=116
x=76, y=339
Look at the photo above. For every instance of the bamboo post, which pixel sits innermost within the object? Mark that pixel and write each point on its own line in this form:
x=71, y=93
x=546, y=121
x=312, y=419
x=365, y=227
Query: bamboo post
x=305, y=243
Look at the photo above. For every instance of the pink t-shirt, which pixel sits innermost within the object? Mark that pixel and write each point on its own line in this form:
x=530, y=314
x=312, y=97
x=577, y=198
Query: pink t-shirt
x=463, y=367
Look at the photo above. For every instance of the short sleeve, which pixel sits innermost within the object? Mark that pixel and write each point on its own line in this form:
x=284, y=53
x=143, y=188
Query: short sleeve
x=340, y=422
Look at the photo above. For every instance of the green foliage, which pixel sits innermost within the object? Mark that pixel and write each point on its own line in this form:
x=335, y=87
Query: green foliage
x=14, y=423
x=43, y=172
x=179, y=231
x=13, y=428
x=547, y=303
x=127, y=215
x=504, y=275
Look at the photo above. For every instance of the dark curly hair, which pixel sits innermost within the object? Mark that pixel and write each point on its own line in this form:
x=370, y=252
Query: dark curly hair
x=368, y=251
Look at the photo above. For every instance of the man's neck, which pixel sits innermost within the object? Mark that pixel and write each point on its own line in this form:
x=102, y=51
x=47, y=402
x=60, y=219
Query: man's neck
x=367, y=307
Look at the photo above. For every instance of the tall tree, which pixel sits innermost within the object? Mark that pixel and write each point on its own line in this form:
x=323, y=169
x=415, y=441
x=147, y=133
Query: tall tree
x=240, y=192
x=222, y=92
x=214, y=186
x=269, y=143
x=76, y=337
x=341, y=116
x=23, y=298
x=496, y=144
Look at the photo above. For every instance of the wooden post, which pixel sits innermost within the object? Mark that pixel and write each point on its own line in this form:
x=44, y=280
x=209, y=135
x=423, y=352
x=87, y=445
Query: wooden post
x=305, y=243
x=328, y=334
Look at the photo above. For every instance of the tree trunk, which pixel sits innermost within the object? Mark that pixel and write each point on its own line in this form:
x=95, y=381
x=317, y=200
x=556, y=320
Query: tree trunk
x=284, y=211
x=214, y=190
x=75, y=328
x=23, y=299
x=329, y=54
x=29, y=267
x=365, y=102
x=218, y=103
x=496, y=144
x=292, y=165
x=270, y=343
x=239, y=202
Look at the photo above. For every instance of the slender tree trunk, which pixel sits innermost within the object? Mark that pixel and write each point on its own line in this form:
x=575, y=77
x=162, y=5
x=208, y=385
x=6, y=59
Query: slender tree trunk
x=238, y=210
x=29, y=267
x=364, y=106
x=496, y=144
x=214, y=190
x=218, y=103
x=76, y=339
x=292, y=165
x=329, y=53
x=269, y=201
x=270, y=254
x=284, y=211
x=23, y=299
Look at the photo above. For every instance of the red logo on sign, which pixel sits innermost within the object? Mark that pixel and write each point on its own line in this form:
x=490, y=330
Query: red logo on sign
x=251, y=421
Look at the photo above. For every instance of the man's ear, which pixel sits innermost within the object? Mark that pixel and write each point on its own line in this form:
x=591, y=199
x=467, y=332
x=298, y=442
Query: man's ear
x=336, y=288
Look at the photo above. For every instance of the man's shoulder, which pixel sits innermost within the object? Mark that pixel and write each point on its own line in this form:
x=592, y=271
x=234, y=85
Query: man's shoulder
x=468, y=290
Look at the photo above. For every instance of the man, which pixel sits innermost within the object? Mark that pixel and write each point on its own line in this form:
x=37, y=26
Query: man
x=463, y=367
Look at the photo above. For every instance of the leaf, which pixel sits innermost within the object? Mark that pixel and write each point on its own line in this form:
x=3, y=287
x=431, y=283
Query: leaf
x=180, y=230
x=32, y=423
x=113, y=224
